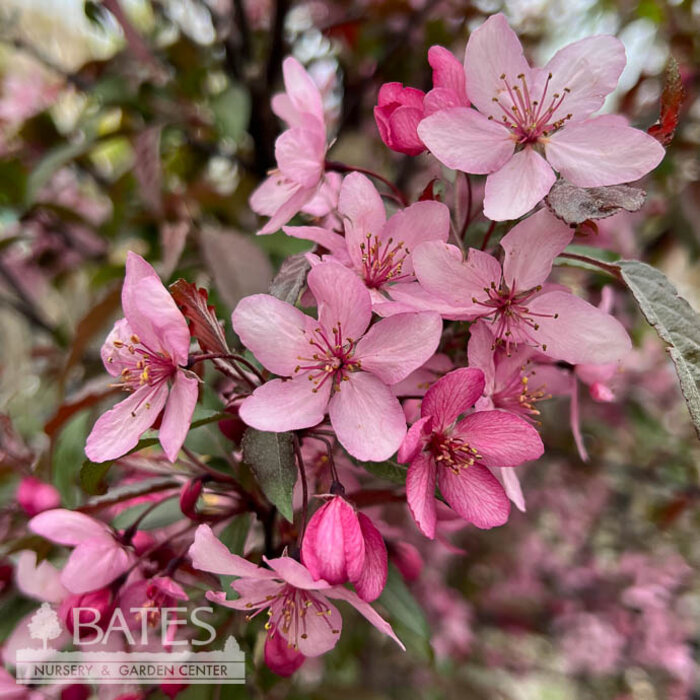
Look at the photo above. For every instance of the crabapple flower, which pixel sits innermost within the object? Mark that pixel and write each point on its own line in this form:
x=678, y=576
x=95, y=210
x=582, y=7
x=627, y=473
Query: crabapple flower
x=335, y=363
x=300, y=151
x=379, y=251
x=146, y=351
x=298, y=608
x=458, y=454
x=341, y=545
x=98, y=558
x=400, y=109
x=514, y=298
x=35, y=496
x=529, y=122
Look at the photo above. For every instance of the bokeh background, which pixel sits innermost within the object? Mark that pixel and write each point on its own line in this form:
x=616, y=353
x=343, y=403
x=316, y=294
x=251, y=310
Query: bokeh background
x=145, y=125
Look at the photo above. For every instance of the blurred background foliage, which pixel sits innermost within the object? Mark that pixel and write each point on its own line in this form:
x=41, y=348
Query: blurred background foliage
x=145, y=124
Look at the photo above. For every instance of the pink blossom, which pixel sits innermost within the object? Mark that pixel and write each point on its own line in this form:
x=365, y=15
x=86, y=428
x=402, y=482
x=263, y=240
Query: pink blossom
x=529, y=122
x=298, y=608
x=100, y=601
x=34, y=496
x=377, y=249
x=300, y=151
x=400, y=109
x=98, y=558
x=335, y=363
x=514, y=298
x=146, y=351
x=150, y=595
x=342, y=545
x=458, y=454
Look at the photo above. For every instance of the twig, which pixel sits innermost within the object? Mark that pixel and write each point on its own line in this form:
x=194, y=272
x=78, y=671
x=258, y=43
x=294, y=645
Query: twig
x=487, y=237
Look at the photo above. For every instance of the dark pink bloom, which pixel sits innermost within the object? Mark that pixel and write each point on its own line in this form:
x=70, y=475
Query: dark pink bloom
x=457, y=455
x=524, y=113
x=298, y=607
x=377, y=249
x=146, y=351
x=514, y=298
x=342, y=545
x=151, y=595
x=34, y=496
x=99, y=600
x=335, y=363
x=98, y=557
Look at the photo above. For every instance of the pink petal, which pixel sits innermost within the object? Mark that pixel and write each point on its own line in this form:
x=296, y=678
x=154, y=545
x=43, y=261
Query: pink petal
x=420, y=493
x=475, y=495
x=448, y=72
x=365, y=609
x=342, y=299
x=273, y=331
x=281, y=405
x=67, y=527
x=178, y=414
x=395, y=93
x=439, y=99
x=399, y=129
x=413, y=442
x=301, y=89
x=298, y=197
x=272, y=194
x=590, y=69
x=300, y=154
x=362, y=211
x=152, y=312
x=396, y=346
x=41, y=582
x=116, y=358
x=321, y=626
x=441, y=272
x=493, y=50
x=280, y=657
x=480, y=353
x=208, y=553
x=511, y=485
x=411, y=296
x=118, y=430
x=518, y=186
x=95, y=563
x=252, y=593
x=597, y=152
x=463, y=139
x=575, y=420
x=367, y=418
x=501, y=438
x=452, y=395
x=295, y=574
x=371, y=579
x=328, y=239
x=581, y=333
x=531, y=247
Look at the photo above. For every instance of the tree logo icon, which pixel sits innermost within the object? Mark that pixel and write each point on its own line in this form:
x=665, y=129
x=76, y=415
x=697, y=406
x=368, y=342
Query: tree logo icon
x=44, y=624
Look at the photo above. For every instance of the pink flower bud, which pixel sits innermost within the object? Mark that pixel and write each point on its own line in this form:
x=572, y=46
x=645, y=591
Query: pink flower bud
x=34, y=496
x=76, y=692
x=281, y=657
x=601, y=392
x=398, y=113
x=172, y=689
x=407, y=560
x=189, y=496
x=100, y=603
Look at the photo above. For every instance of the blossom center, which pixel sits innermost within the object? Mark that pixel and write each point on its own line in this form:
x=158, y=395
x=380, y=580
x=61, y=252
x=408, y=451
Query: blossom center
x=382, y=262
x=331, y=358
x=528, y=118
x=519, y=396
x=142, y=365
x=453, y=452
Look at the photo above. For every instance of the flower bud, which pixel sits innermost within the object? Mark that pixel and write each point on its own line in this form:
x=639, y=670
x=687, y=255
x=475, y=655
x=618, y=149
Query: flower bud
x=34, y=496
x=398, y=113
x=100, y=604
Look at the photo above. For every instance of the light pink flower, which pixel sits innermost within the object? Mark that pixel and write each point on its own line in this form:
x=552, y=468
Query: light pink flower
x=98, y=558
x=458, y=454
x=34, y=496
x=515, y=299
x=300, y=151
x=298, y=607
x=342, y=545
x=400, y=109
x=379, y=251
x=146, y=351
x=529, y=121
x=335, y=363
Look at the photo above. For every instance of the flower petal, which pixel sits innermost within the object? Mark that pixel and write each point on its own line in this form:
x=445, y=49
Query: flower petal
x=280, y=657
x=413, y=442
x=178, y=414
x=41, y=582
x=273, y=331
x=281, y=405
x=530, y=248
x=463, y=139
x=518, y=186
x=396, y=346
x=420, y=493
x=475, y=495
x=448, y=72
x=67, y=527
x=95, y=563
x=480, y=353
x=303, y=93
x=118, y=430
x=334, y=242
x=295, y=574
x=599, y=152
x=367, y=418
x=300, y=154
x=511, y=485
x=371, y=578
x=452, y=395
x=501, y=438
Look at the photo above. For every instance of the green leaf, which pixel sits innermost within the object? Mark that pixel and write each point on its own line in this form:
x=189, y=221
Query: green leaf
x=92, y=477
x=389, y=471
x=67, y=458
x=164, y=514
x=234, y=536
x=676, y=322
x=232, y=111
x=402, y=606
x=271, y=458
